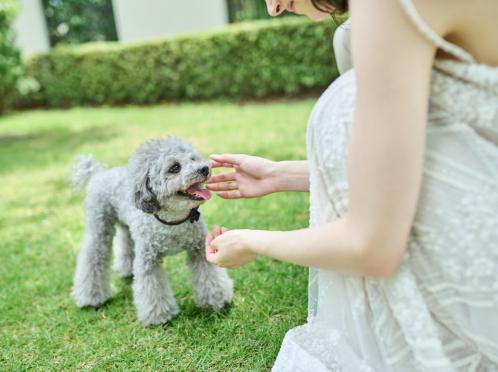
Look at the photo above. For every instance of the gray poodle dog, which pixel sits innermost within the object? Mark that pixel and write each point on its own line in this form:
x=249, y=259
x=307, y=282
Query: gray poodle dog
x=153, y=204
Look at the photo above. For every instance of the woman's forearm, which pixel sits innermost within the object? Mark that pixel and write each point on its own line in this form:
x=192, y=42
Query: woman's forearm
x=292, y=175
x=337, y=246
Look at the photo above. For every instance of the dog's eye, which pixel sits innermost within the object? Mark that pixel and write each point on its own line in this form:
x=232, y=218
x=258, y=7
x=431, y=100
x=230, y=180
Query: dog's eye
x=175, y=168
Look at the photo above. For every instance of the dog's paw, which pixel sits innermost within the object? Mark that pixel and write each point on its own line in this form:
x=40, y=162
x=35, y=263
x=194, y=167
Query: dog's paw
x=123, y=271
x=159, y=315
x=215, y=295
x=85, y=299
x=123, y=266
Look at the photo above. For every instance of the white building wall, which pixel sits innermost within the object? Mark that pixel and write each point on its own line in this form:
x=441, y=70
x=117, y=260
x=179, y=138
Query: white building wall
x=149, y=19
x=30, y=28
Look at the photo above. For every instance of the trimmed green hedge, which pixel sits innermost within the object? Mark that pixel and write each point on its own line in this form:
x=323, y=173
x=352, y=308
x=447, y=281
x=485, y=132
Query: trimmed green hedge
x=254, y=59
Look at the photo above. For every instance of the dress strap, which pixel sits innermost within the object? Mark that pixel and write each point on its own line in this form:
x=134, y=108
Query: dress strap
x=430, y=34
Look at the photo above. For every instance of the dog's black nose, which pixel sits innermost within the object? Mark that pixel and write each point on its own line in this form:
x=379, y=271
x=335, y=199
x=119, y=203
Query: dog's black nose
x=204, y=171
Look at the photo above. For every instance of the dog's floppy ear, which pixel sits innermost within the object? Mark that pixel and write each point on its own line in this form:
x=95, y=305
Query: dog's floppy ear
x=144, y=197
x=140, y=166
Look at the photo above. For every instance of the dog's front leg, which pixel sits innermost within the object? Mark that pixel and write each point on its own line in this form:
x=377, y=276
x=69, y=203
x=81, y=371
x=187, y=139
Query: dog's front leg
x=152, y=294
x=213, y=288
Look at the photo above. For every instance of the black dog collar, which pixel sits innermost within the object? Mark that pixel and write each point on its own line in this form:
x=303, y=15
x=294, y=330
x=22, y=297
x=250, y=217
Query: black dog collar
x=192, y=217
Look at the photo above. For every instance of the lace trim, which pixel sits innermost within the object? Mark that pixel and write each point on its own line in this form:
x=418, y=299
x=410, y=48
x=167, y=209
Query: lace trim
x=448, y=47
x=316, y=347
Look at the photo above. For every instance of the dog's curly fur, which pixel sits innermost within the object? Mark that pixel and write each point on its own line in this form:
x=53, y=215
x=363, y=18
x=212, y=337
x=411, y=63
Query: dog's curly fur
x=126, y=198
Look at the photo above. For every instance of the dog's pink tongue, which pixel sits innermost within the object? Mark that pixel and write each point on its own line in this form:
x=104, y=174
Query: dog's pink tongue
x=201, y=193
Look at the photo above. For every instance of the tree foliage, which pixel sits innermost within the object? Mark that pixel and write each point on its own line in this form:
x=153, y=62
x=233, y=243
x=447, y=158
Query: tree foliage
x=77, y=21
x=246, y=10
x=11, y=68
x=243, y=10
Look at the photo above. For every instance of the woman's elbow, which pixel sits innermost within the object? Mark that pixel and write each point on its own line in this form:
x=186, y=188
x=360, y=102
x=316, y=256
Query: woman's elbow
x=380, y=259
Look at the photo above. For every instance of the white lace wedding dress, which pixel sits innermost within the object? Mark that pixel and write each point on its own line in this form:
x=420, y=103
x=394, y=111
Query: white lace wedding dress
x=439, y=311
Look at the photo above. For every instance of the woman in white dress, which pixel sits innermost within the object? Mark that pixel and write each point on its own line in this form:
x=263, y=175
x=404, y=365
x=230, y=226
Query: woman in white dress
x=402, y=171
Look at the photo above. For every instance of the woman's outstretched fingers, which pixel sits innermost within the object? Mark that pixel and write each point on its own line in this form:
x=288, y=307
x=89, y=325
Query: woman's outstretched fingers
x=216, y=164
x=223, y=186
x=229, y=195
x=233, y=159
x=225, y=177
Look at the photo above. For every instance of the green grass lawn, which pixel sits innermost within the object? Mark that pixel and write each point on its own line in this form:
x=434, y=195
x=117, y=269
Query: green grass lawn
x=41, y=224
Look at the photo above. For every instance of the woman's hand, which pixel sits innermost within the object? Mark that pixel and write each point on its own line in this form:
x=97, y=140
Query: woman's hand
x=230, y=249
x=253, y=176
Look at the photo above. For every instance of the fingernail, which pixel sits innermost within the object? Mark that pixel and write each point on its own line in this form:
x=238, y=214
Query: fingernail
x=214, y=155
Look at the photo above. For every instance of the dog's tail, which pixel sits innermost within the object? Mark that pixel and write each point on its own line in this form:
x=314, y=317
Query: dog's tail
x=83, y=169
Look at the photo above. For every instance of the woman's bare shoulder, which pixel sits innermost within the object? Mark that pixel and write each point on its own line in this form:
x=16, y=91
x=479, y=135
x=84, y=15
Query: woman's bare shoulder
x=469, y=24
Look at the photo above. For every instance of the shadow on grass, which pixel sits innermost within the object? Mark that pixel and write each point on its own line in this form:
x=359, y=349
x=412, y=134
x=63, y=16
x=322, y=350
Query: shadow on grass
x=192, y=319
x=189, y=310
x=48, y=147
x=122, y=297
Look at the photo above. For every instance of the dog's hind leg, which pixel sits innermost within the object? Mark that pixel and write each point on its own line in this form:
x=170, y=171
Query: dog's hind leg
x=124, y=254
x=92, y=282
x=213, y=288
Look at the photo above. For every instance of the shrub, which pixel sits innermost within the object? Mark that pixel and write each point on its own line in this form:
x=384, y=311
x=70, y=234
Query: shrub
x=253, y=59
x=11, y=68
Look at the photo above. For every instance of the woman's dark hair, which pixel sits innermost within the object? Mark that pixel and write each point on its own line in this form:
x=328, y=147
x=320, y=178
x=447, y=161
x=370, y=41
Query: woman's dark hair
x=331, y=6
